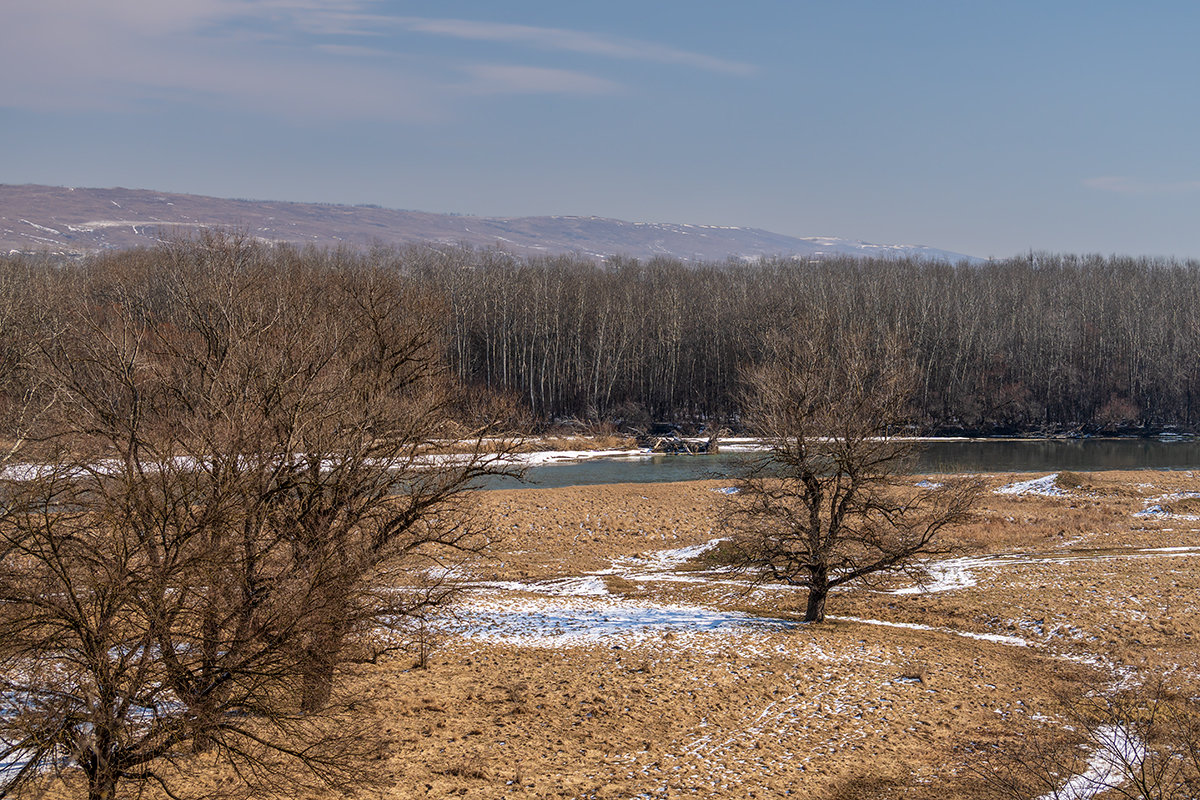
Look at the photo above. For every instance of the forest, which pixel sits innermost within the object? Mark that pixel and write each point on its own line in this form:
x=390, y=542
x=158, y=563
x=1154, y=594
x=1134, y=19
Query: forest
x=1041, y=344
x=1034, y=345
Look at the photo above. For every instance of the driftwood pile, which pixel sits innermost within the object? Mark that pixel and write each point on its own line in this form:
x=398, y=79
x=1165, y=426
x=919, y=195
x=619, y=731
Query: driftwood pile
x=667, y=439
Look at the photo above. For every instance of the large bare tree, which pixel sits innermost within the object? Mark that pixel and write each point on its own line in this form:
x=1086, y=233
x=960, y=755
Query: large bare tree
x=825, y=507
x=235, y=495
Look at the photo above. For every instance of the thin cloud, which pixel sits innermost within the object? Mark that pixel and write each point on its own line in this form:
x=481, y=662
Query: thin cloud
x=508, y=79
x=1134, y=186
x=571, y=41
x=292, y=58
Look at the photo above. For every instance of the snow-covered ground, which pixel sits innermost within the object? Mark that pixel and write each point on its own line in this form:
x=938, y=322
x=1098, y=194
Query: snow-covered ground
x=1160, y=507
x=580, y=621
x=945, y=576
x=1046, y=487
x=1115, y=755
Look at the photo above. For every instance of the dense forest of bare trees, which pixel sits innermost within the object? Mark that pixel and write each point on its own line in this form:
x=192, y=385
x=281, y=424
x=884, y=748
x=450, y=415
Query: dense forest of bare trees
x=1037, y=344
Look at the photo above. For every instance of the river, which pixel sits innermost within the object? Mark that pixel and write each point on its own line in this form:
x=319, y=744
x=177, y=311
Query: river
x=947, y=456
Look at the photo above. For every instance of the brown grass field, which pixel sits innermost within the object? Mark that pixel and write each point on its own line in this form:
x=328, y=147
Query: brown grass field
x=589, y=665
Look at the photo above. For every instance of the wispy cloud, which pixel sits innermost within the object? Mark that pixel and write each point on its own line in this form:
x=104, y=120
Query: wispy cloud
x=1136, y=186
x=507, y=79
x=571, y=41
x=293, y=57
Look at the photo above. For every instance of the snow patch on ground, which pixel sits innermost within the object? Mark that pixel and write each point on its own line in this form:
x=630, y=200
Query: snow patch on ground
x=583, y=586
x=572, y=456
x=1011, y=641
x=945, y=576
x=664, y=560
x=1046, y=487
x=1159, y=507
x=1116, y=751
x=538, y=622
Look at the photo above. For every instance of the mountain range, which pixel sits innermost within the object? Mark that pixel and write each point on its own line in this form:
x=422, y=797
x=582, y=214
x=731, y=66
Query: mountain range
x=78, y=221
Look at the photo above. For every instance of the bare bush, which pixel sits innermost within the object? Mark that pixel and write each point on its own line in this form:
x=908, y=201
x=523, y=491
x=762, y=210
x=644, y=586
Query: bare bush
x=1139, y=743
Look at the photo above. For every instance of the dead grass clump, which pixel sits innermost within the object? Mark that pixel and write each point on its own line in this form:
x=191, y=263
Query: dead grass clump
x=865, y=787
x=518, y=695
x=914, y=672
x=618, y=585
x=1186, y=505
x=471, y=768
x=1072, y=480
x=725, y=553
x=1093, y=484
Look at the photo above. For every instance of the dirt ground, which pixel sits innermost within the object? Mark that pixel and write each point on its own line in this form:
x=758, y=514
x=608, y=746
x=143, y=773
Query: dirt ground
x=575, y=684
x=593, y=656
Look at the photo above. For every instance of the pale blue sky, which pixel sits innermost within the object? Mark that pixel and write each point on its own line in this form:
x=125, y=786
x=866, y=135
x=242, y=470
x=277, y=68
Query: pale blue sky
x=989, y=128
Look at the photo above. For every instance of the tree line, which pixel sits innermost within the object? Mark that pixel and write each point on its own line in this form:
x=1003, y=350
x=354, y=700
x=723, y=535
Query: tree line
x=1042, y=343
x=1036, y=344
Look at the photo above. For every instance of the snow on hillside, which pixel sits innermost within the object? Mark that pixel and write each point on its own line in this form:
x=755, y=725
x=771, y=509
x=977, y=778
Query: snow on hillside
x=78, y=221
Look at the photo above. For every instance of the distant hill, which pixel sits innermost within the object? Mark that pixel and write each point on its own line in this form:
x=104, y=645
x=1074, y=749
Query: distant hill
x=80, y=221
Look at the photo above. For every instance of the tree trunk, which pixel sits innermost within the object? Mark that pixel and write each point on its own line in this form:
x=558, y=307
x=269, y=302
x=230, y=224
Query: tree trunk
x=317, y=681
x=816, y=602
x=102, y=784
x=321, y=657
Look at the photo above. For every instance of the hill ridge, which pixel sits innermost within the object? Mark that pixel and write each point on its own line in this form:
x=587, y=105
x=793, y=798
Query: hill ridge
x=78, y=221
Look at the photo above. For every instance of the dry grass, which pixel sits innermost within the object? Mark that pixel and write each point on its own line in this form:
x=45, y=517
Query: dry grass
x=600, y=442
x=620, y=586
x=1094, y=484
x=1186, y=505
x=839, y=710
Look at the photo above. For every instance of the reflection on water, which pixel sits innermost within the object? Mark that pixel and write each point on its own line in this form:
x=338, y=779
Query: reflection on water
x=1081, y=455
x=977, y=455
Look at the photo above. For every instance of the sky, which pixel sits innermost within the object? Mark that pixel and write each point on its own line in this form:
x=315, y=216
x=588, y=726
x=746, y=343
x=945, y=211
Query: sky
x=985, y=128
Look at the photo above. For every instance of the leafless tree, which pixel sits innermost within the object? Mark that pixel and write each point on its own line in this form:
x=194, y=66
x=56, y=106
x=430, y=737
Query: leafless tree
x=824, y=507
x=241, y=497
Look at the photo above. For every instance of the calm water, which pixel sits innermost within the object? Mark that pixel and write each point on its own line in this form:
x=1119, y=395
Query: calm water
x=979, y=455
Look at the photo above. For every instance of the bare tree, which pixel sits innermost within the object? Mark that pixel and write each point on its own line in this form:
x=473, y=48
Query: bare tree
x=241, y=498
x=128, y=643
x=824, y=507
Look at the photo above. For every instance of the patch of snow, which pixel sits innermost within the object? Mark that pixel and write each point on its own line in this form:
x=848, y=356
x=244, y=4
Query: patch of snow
x=945, y=576
x=1152, y=511
x=742, y=444
x=41, y=227
x=1159, y=507
x=585, y=586
x=1046, y=487
x=534, y=622
x=1011, y=641
x=664, y=560
x=571, y=456
x=1116, y=752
